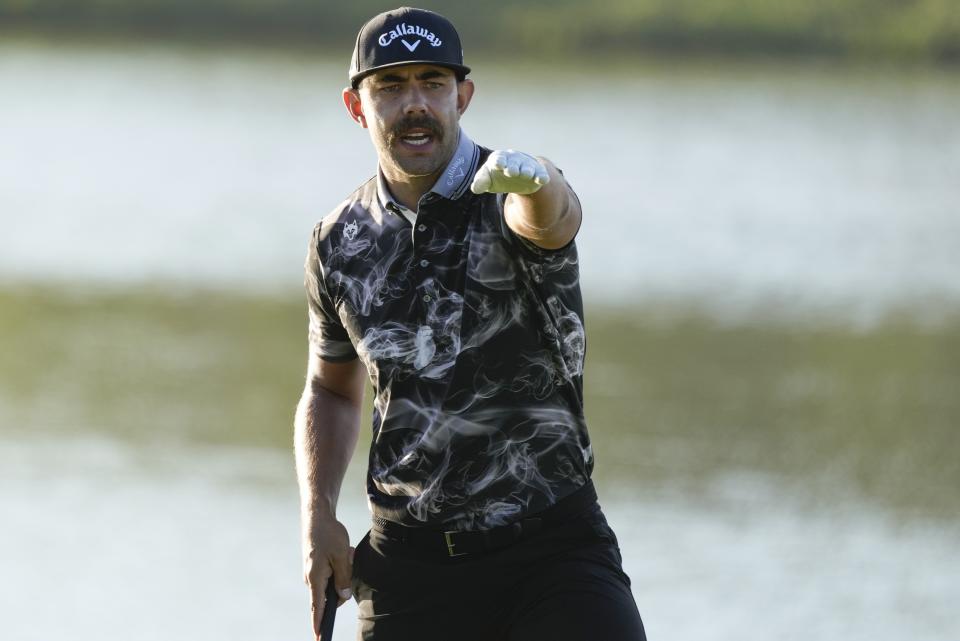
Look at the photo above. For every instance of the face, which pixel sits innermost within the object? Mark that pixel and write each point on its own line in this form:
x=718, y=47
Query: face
x=413, y=114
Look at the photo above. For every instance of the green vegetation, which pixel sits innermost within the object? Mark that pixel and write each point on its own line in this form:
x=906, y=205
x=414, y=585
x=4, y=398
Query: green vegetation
x=672, y=400
x=927, y=30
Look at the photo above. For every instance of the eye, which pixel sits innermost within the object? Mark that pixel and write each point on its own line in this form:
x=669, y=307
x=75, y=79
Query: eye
x=390, y=88
x=434, y=85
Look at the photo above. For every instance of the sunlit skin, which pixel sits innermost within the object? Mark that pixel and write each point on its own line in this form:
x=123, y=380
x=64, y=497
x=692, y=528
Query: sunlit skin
x=411, y=100
x=400, y=104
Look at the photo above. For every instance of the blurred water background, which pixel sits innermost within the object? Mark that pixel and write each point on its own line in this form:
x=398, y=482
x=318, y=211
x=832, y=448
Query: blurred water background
x=770, y=256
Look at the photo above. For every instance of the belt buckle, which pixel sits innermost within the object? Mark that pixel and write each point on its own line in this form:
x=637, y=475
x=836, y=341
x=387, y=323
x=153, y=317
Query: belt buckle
x=451, y=544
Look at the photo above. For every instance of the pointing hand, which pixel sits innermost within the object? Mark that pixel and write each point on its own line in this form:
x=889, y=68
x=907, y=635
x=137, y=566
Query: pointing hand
x=511, y=172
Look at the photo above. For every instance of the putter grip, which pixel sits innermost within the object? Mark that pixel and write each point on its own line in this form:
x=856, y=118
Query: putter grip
x=329, y=611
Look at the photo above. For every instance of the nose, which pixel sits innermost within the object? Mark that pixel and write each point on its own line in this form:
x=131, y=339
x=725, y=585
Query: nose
x=416, y=102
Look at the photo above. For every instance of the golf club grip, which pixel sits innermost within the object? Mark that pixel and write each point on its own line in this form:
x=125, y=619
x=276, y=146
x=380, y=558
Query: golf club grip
x=329, y=611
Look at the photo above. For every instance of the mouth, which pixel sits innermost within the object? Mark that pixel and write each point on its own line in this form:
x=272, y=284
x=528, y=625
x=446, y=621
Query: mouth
x=416, y=135
x=417, y=138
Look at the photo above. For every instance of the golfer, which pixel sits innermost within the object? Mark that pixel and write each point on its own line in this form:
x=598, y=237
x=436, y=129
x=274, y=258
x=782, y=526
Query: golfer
x=450, y=281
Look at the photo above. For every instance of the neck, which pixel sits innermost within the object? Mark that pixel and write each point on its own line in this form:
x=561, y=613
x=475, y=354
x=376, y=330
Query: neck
x=407, y=189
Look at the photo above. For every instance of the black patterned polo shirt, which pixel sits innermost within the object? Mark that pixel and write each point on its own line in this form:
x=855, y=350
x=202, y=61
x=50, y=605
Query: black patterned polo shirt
x=474, y=343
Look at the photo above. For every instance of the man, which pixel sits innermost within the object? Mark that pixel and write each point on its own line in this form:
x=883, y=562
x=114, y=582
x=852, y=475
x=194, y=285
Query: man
x=451, y=278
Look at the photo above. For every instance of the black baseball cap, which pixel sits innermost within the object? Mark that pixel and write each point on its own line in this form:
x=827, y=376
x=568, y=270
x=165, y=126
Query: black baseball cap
x=406, y=36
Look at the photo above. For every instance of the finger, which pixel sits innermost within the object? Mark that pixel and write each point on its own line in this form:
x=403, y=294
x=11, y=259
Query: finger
x=499, y=159
x=342, y=577
x=512, y=166
x=528, y=169
x=542, y=176
x=481, y=182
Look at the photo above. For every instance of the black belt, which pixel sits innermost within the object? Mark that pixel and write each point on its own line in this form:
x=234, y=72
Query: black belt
x=460, y=543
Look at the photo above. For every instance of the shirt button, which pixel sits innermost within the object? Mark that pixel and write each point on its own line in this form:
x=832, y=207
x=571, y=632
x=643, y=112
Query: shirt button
x=426, y=298
x=421, y=227
x=424, y=262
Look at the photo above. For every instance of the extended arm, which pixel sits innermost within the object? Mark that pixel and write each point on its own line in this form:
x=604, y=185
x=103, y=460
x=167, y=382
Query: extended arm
x=326, y=428
x=540, y=206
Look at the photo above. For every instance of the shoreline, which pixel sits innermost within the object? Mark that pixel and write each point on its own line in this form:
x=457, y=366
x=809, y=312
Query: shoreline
x=302, y=41
x=874, y=410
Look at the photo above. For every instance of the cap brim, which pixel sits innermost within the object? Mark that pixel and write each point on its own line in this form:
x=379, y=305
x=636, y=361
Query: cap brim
x=355, y=79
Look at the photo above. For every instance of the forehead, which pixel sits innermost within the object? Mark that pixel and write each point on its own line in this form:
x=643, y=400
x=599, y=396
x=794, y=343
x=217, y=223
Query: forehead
x=410, y=72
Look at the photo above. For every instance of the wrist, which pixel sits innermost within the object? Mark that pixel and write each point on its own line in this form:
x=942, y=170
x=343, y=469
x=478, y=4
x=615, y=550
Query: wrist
x=318, y=507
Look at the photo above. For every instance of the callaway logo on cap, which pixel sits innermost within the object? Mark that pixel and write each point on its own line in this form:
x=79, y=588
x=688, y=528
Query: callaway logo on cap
x=406, y=36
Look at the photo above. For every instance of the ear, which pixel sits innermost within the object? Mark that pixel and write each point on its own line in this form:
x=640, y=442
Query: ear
x=351, y=100
x=464, y=95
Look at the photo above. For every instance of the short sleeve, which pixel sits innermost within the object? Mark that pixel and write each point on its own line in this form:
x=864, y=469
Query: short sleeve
x=326, y=333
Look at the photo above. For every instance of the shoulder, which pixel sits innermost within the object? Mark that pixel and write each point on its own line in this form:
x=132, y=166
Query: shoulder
x=358, y=204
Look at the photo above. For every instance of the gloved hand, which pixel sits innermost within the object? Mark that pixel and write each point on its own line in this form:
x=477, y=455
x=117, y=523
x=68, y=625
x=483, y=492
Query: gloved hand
x=510, y=171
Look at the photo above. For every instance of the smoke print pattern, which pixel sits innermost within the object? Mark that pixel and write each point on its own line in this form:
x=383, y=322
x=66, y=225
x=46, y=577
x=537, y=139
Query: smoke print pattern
x=476, y=361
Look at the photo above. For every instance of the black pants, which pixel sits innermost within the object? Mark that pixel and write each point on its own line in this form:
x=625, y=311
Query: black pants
x=565, y=583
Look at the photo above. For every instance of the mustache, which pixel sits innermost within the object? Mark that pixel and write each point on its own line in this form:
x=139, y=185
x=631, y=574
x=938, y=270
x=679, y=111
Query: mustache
x=405, y=125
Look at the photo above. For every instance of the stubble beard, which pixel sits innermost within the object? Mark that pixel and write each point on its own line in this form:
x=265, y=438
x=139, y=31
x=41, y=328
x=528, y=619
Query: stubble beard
x=417, y=166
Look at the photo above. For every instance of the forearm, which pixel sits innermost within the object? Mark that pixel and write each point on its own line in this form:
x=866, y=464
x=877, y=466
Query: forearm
x=325, y=435
x=550, y=216
x=326, y=427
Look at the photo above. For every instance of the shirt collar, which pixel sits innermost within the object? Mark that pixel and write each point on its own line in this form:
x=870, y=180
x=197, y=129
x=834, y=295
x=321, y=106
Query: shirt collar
x=452, y=183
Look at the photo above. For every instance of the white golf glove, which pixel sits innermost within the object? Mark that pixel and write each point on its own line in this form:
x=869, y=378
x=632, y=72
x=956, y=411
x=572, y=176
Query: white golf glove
x=510, y=171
